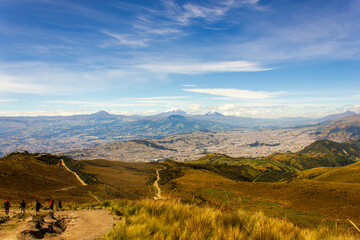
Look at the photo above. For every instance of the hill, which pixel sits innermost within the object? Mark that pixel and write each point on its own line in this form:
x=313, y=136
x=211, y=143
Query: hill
x=319, y=153
x=217, y=185
x=283, y=166
x=338, y=153
x=39, y=176
x=347, y=174
x=341, y=130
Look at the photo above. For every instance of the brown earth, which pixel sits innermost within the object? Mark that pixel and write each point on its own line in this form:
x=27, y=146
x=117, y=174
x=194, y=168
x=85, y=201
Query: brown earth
x=65, y=225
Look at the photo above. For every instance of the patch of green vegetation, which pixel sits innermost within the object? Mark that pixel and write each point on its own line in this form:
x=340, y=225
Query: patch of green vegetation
x=281, y=166
x=49, y=158
x=3, y=219
x=339, y=154
x=150, y=144
x=217, y=194
x=233, y=172
x=172, y=170
x=299, y=218
x=78, y=166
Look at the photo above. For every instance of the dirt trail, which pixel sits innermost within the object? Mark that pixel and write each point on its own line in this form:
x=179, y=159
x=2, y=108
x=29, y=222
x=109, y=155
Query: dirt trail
x=156, y=185
x=77, y=176
x=80, y=224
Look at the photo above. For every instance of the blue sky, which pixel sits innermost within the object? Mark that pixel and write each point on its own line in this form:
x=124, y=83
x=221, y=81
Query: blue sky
x=238, y=57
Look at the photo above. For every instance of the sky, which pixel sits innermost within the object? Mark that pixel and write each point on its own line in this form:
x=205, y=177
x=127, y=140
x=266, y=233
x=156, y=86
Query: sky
x=249, y=58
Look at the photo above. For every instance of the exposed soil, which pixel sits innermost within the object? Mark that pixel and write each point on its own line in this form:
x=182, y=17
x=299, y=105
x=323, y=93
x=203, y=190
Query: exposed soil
x=64, y=225
x=156, y=185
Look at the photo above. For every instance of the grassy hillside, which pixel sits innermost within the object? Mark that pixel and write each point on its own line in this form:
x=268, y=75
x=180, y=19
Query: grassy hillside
x=282, y=166
x=38, y=176
x=340, y=154
x=174, y=170
x=347, y=174
x=342, y=130
x=173, y=220
x=304, y=202
x=25, y=176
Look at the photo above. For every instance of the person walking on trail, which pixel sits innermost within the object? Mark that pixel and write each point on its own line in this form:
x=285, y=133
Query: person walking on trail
x=7, y=207
x=59, y=205
x=22, y=206
x=52, y=204
x=37, y=206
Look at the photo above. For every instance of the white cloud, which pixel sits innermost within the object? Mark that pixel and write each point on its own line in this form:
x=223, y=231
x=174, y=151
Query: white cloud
x=43, y=106
x=10, y=84
x=210, y=12
x=2, y=100
x=36, y=113
x=235, y=93
x=125, y=102
x=194, y=109
x=126, y=39
x=263, y=110
x=354, y=108
x=201, y=68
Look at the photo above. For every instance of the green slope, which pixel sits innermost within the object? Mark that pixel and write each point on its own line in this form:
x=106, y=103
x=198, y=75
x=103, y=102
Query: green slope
x=283, y=166
x=347, y=174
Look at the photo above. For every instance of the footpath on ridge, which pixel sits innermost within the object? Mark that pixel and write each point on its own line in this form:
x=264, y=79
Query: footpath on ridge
x=77, y=176
x=156, y=185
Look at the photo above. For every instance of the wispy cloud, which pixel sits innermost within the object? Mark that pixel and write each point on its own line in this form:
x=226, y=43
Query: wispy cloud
x=308, y=34
x=126, y=39
x=235, y=93
x=264, y=110
x=9, y=84
x=126, y=102
x=3, y=100
x=200, y=68
x=210, y=11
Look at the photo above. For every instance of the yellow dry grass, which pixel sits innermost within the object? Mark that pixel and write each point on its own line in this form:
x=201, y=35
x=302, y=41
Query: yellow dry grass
x=148, y=219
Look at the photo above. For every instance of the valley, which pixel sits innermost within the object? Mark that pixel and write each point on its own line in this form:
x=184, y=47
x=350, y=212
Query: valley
x=297, y=181
x=64, y=133
x=252, y=143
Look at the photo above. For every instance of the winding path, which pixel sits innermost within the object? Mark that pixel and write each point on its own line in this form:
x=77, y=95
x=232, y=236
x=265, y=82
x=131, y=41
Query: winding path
x=156, y=185
x=77, y=176
x=80, y=180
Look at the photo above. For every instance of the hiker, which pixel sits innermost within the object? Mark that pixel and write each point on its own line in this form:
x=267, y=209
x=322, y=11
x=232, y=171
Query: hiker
x=52, y=204
x=59, y=205
x=22, y=206
x=7, y=207
x=37, y=206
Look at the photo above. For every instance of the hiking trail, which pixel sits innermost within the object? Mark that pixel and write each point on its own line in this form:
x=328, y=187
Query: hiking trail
x=156, y=185
x=77, y=176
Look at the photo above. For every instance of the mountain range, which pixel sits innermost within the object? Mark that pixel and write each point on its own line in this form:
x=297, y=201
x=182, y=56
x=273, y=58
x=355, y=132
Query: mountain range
x=56, y=133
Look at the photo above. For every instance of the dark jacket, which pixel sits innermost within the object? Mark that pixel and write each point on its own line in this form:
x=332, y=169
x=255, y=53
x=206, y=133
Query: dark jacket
x=37, y=205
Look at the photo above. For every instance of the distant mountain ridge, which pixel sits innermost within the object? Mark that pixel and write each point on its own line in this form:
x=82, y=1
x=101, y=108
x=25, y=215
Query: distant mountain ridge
x=341, y=130
x=55, y=133
x=337, y=116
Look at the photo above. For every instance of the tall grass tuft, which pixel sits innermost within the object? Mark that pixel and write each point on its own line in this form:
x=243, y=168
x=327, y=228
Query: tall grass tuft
x=148, y=219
